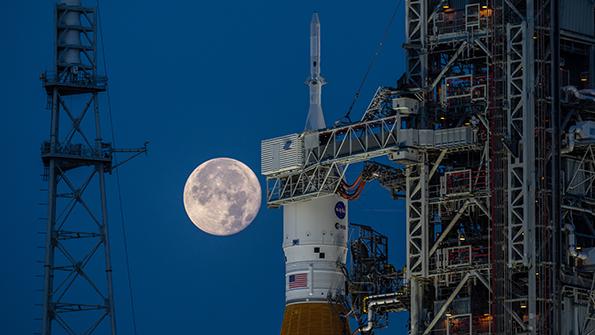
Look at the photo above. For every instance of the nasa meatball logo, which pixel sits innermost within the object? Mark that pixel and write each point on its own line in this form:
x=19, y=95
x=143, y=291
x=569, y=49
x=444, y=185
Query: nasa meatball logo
x=288, y=145
x=340, y=210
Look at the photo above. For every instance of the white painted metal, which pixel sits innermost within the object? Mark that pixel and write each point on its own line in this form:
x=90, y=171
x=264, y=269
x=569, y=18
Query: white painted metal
x=417, y=238
x=516, y=67
x=406, y=106
x=280, y=154
x=315, y=244
x=375, y=302
x=315, y=118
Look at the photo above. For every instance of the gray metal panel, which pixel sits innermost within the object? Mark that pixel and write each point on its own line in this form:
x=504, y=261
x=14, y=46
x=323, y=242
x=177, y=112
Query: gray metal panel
x=282, y=154
x=406, y=105
x=577, y=16
x=426, y=138
x=453, y=137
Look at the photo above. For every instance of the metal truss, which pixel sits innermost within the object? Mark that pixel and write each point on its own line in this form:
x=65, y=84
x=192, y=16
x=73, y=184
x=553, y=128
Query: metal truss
x=77, y=234
x=582, y=177
x=416, y=32
x=462, y=283
x=417, y=237
x=417, y=218
x=377, y=108
x=78, y=290
x=518, y=195
x=329, y=153
x=69, y=271
x=352, y=143
x=313, y=182
x=502, y=49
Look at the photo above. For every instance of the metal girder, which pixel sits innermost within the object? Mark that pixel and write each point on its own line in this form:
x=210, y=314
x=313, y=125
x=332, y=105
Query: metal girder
x=437, y=163
x=452, y=60
x=417, y=237
x=313, y=182
x=328, y=153
x=417, y=219
x=416, y=16
x=376, y=106
x=522, y=185
x=76, y=229
x=78, y=291
x=447, y=303
x=449, y=227
x=352, y=143
x=452, y=297
x=517, y=101
x=72, y=218
x=582, y=176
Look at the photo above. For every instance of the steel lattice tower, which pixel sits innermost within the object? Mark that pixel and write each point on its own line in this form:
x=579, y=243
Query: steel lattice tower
x=491, y=138
x=78, y=290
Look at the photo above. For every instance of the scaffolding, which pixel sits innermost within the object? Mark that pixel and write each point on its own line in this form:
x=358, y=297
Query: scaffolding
x=497, y=166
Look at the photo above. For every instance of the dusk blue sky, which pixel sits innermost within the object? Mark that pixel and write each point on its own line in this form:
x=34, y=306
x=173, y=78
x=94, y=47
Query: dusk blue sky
x=199, y=80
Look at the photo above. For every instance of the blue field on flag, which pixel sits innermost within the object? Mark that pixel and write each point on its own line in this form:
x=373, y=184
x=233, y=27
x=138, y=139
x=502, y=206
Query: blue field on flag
x=298, y=280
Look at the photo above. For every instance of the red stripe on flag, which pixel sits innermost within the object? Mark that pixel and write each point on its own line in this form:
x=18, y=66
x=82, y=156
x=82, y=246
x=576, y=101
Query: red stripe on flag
x=298, y=280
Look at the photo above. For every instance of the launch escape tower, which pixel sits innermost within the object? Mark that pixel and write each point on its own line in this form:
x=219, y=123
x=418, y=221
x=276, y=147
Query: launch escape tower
x=78, y=290
x=491, y=133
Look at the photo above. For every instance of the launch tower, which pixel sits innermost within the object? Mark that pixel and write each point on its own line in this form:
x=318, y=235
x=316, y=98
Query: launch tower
x=78, y=291
x=491, y=133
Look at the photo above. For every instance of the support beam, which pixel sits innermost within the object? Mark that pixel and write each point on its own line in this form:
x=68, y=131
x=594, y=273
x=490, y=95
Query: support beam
x=452, y=60
x=448, y=228
x=447, y=303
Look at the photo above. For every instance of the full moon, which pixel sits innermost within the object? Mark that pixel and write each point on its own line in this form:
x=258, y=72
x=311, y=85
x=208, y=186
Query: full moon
x=222, y=196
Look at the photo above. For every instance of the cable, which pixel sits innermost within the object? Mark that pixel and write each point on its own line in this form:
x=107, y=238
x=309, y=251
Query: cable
x=373, y=61
x=119, y=188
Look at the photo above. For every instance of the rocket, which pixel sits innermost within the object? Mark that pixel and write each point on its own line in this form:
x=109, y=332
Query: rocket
x=315, y=234
x=315, y=118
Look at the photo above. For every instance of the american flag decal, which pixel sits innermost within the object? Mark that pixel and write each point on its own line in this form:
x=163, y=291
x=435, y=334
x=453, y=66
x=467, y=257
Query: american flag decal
x=299, y=280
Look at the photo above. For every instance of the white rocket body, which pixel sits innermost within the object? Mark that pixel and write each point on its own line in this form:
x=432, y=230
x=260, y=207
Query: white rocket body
x=315, y=240
x=315, y=118
x=315, y=247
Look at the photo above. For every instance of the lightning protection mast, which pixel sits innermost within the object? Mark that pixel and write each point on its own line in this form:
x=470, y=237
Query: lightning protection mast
x=78, y=291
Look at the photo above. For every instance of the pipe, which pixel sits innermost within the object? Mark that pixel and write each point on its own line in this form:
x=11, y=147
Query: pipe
x=578, y=94
x=376, y=301
x=572, y=243
x=578, y=209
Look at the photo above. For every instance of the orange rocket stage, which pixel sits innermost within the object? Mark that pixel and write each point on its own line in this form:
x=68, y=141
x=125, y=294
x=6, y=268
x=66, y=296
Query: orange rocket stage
x=314, y=319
